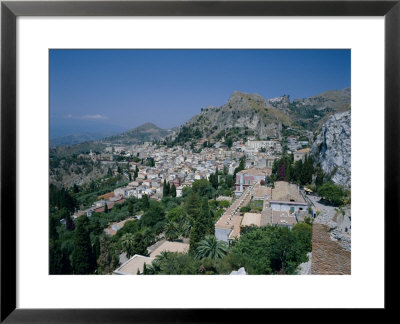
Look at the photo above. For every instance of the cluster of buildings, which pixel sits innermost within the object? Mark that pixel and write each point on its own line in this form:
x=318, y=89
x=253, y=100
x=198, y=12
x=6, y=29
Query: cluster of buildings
x=180, y=166
x=294, y=144
x=254, y=146
x=282, y=205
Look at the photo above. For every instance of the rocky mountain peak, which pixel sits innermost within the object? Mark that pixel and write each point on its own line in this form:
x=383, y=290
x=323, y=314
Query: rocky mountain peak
x=280, y=102
x=245, y=100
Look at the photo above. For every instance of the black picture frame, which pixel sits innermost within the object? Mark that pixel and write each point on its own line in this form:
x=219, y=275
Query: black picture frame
x=10, y=10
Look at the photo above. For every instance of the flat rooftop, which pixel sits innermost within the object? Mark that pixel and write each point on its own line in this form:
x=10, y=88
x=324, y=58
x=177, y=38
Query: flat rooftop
x=276, y=217
x=168, y=246
x=134, y=264
x=251, y=219
x=283, y=218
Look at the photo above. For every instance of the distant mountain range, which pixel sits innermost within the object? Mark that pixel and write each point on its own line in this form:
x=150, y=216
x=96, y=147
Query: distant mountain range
x=243, y=114
x=144, y=133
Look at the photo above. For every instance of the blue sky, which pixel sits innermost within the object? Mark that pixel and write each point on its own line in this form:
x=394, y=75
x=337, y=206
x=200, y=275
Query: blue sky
x=116, y=90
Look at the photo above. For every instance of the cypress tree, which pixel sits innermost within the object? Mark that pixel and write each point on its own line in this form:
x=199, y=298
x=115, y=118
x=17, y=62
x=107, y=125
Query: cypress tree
x=82, y=254
x=206, y=217
x=201, y=225
x=192, y=205
x=165, y=189
x=214, y=179
x=173, y=190
x=145, y=202
x=69, y=224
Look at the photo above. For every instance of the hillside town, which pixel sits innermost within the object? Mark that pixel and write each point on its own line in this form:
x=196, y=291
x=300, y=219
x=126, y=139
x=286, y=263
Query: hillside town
x=155, y=179
x=253, y=201
x=181, y=167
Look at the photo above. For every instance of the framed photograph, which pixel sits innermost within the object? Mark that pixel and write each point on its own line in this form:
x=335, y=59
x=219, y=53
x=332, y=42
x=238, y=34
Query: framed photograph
x=161, y=159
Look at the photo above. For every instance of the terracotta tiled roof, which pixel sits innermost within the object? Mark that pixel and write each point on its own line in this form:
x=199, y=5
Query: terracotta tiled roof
x=109, y=205
x=285, y=191
x=106, y=196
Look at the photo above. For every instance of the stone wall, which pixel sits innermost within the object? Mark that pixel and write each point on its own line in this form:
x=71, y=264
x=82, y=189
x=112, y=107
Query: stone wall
x=328, y=256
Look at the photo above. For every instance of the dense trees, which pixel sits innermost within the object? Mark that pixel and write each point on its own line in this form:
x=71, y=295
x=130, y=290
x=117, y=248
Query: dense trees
x=203, y=223
x=303, y=233
x=267, y=250
x=82, y=254
x=61, y=198
x=150, y=162
x=203, y=188
x=153, y=215
x=169, y=190
x=334, y=194
x=171, y=230
x=174, y=263
x=108, y=259
x=214, y=179
x=128, y=244
x=285, y=169
x=185, y=135
x=133, y=244
x=272, y=249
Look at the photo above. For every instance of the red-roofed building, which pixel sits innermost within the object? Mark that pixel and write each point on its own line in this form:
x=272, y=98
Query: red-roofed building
x=110, y=205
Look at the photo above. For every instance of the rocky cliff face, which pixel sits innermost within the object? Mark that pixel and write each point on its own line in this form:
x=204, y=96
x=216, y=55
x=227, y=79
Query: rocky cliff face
x=332, y=148
x=265, y=117
x=242, y=110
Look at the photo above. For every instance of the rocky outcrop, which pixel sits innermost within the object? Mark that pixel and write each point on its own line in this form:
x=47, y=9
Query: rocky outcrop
x=332, y=148
x=305, y=268
x=265, y=117
x=242, y=110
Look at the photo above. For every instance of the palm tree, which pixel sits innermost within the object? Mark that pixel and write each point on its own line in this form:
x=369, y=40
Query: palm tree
x=128, y=244
x=156, y=265
x=186, y=226
x=148, y=236
x=171, y=231
x=211, y=248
